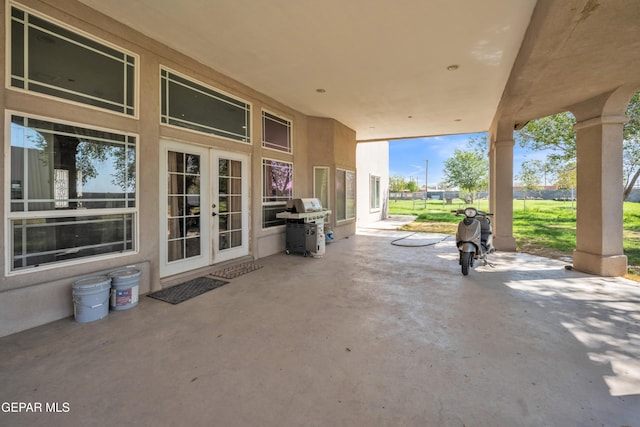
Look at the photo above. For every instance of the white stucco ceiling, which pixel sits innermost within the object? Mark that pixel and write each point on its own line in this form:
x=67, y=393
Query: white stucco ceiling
x=383, y=64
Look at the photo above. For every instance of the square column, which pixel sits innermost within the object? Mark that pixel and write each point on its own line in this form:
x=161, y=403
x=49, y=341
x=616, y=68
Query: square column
x=492, y=179
x=599, y=224
x=501, y=188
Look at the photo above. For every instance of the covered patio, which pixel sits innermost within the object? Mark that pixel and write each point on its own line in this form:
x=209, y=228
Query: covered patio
x=370, y=334
x=285, y=93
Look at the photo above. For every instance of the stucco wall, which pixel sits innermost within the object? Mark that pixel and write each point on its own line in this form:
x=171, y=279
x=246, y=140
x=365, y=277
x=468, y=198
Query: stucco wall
x=332, y=145
x=31, y=298
x=372, y=160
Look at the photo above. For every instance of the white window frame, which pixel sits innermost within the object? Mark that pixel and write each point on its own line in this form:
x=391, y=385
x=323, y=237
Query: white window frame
x=249, y=108
x=276, y=203
x=374, y=193
x=79, y=32
x=26, y=215
x=346, y=197
x=317, y=196
x=288, y=123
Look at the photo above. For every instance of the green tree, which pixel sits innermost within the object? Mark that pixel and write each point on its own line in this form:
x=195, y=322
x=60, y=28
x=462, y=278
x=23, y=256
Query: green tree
x=467, y=170
x=553, y=133
x=397, y=183
x=556, y=133
x=89, y=156
x=631, y=147
x=442, y=185
x=412, y=186
x=549, y=172
x=567, y=179
x=479, y=144
x=530, y=177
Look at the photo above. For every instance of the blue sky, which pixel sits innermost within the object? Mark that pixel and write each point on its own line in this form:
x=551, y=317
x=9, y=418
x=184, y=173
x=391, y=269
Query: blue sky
x=407, y=157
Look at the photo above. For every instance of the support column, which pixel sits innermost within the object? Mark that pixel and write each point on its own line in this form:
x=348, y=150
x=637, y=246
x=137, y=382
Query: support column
x=501, y=189
x=599, y=224
x=492, y=179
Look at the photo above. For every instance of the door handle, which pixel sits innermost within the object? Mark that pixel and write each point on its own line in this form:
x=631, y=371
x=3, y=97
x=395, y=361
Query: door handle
x=213, y=214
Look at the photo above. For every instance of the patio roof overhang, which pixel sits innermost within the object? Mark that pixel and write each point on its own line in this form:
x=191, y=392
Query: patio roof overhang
x=573, y=51
x=384, y=69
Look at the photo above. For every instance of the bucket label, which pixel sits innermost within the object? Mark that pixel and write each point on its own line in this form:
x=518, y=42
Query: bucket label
x=123, y=297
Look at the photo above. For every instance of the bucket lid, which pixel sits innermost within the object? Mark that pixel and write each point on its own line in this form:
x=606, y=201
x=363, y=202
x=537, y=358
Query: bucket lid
x=91, y=282
x=124, y=273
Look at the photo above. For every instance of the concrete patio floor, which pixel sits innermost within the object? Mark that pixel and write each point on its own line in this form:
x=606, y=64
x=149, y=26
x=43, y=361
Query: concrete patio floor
x=371, y=334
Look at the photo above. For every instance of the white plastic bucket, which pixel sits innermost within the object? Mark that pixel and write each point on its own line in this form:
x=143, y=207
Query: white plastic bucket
x=125, y=286
x=91, y=298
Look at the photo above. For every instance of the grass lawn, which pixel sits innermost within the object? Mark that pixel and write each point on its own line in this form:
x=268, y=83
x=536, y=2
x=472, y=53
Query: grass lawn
x=541, y=227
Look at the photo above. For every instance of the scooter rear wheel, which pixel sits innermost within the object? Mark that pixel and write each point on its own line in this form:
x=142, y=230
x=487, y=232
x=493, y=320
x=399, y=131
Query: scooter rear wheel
x=466, y=260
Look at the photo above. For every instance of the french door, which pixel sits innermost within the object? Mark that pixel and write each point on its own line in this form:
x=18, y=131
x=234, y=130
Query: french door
x=230, y=206
x=204, y=208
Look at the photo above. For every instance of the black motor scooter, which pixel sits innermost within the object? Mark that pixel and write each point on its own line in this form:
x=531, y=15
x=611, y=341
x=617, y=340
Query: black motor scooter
x=474, y=237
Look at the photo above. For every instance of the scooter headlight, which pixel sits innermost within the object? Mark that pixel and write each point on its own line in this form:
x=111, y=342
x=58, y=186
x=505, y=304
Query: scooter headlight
x=470, y=212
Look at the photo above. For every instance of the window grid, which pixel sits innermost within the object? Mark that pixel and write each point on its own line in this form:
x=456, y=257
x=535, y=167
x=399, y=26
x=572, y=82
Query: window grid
x=345, y=195
x=21, y=228
x=21, y=79
x=128, y=142
x=276, y=132
x=184, y=203
x=374, y=192
x=60, y=228
x=277, y=189
x=230, y=220
x=169, y=117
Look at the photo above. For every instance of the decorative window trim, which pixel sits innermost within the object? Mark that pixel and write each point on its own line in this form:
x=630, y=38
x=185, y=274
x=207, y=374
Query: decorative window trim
x=12, y=216
x=135, y=107
x=205, y=89
x=272, y=203
x=277, y=118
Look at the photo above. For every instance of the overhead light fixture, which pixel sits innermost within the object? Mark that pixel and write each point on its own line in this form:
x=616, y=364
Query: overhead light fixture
x=453, y=67
x=320, y=90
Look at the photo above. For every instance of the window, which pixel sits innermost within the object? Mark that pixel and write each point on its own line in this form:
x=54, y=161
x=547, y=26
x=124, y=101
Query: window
x=321, y=185
x=276, y=132
x=73, y=192
x=277, y=188
x=183, y=205
x=52, y=60
x=193, y=106
x=345, y=195
x=374, y=192
x=230, y=212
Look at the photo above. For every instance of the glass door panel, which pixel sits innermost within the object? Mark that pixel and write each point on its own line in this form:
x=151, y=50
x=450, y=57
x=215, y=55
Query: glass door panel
x=183, y=200
x=185, y=241
x=204, y=213
x=231, y=227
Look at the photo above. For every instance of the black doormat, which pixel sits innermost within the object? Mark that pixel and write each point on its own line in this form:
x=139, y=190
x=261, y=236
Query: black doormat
x=187, y=290
x=236, y=270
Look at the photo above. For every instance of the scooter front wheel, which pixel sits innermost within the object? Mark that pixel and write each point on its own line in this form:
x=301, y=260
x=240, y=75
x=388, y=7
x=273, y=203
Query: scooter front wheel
x=466, y=259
